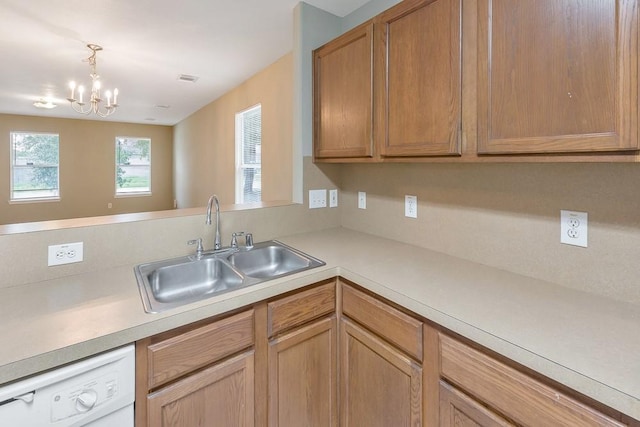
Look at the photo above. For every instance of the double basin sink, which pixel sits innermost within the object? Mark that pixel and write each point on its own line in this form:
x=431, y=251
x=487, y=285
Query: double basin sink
x=171, y=283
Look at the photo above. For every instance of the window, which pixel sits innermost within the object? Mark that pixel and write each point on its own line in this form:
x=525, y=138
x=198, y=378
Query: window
x=133, y=166
x=248, y=155
x=34, y=166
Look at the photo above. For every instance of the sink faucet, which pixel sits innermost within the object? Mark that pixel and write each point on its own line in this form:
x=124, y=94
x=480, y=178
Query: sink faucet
x=216, y=241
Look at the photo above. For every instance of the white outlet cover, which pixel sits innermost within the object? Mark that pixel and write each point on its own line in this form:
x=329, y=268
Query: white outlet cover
x=66, y=253
x=362, y=200
x=317, y=199
x=333, y=198
x=574, y=228
x=411, y=206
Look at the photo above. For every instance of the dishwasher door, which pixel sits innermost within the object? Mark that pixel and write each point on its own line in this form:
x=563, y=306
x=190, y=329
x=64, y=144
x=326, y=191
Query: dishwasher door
x=97, y=391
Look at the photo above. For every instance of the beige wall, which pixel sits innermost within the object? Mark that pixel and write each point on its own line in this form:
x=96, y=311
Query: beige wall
x=204, y=143
x=87, y=169
x=508, y=216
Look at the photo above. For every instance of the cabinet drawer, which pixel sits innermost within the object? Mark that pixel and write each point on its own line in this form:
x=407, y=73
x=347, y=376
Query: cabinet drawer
x=301, y=307
x=520, y=397
x=393, y=325
x=174, y=357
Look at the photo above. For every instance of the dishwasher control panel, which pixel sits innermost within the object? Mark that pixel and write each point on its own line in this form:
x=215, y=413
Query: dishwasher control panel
x=83, y=397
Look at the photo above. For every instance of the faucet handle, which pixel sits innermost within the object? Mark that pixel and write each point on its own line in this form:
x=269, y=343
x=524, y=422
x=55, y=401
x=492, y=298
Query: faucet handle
x=200, y=248
x=234, y=238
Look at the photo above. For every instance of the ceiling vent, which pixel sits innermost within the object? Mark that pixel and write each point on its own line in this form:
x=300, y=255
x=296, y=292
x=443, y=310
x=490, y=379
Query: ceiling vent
x=188, y=78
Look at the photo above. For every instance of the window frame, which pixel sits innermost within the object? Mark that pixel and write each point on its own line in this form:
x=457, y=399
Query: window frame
x=12, y=165
x=240, y=166
x=117, y=164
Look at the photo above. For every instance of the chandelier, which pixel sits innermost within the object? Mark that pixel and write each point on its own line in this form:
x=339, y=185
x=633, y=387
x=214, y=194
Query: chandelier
x=95, y=104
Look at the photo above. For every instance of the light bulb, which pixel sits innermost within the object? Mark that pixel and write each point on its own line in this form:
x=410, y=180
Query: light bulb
x=72, y=86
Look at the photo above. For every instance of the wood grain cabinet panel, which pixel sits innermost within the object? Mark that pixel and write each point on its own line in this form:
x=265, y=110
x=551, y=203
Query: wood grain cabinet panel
x=557, y=76
x=303, y=376
x=459, y=410
x=418, y=76
x=402, y=330
x=301, y=307
x=343, y=100
x=520, y=397
x=380, y=386
x=221, y=395
x=171, y=358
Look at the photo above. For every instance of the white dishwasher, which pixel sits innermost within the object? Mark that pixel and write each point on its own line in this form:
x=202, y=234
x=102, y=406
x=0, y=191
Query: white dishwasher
x=96, y=392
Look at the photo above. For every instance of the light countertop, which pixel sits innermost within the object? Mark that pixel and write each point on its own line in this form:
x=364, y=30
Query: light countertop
x=587, y=342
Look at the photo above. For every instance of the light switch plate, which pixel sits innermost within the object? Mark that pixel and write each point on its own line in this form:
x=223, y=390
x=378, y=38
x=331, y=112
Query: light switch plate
x=66, y=253
x=362, y=200
x=411, y=206
x=333, y=198
x=574, y=228
x=317, y=199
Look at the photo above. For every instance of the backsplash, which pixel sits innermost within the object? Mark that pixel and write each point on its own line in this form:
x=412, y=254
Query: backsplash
x=24, y=256
x=508, y=216
x=502, y=215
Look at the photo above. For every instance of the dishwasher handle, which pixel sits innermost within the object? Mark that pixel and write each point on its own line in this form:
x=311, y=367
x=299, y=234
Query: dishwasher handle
x=26, y=398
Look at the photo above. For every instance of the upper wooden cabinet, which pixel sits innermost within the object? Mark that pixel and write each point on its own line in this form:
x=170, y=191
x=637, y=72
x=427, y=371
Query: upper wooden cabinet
x=343, y=104
x=482, y=81
x=557, y=76
x=418, y=79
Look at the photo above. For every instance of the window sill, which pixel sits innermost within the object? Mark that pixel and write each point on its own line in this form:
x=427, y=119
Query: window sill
x=132, y=194
x=38, y=200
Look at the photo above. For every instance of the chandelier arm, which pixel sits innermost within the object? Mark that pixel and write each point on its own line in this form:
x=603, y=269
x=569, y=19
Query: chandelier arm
x=78, y=108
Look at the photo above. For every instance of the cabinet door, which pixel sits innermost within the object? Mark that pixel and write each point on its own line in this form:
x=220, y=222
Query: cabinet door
x=518, y=396
x=343, y=78
x=557, y=76
x=418, y=78
x=380, y=386
x=303, y=376
x=459, y=410
x=221, y=395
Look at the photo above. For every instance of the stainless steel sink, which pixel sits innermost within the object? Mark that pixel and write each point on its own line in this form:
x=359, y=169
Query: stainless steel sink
x=269, y=260
x=171, y=283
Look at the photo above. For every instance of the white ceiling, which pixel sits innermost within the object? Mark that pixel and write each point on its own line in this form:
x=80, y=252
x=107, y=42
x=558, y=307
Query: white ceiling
x=147, y=44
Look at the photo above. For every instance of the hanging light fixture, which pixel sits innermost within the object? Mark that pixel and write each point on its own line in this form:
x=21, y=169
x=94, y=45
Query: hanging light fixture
x=95, y=100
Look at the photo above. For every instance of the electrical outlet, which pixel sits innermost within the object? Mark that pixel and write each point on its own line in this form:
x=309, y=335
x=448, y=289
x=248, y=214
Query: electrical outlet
x=362, y=200
x=411, y=206
x=317, y=199
x=333, y=198
x=573, y=228
x=66, y=253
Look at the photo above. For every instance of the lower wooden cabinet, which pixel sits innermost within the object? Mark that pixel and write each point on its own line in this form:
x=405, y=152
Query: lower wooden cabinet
x=381, y=363
x=302, y=358
x=197, y=375
x=221, y=395
x=380, y=386
x=317, y=357
x=303, y=376
x=514, y=394
x=459, y=410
